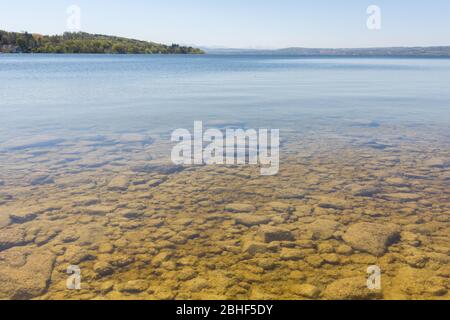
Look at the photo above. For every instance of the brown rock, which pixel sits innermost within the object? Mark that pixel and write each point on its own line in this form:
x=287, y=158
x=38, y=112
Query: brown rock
x=351, y=289
x=371, y=237
x=271, y=234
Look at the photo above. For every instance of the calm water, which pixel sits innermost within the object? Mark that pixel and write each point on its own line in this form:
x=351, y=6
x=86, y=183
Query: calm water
x=132, y=93
x=363, y=178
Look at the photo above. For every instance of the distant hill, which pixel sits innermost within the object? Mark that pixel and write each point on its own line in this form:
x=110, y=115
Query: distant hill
x=81, y=42
x=363, y=52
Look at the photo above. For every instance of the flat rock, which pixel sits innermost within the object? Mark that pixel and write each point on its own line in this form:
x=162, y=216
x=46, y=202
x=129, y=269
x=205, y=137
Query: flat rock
x=351, y=289
x=119, y=183
x=363, y=191
x=40, y=179
x=323, y=229
x=270, y=234
x=305, y=290
x=103, y=268
x=291, y=194
x=29, y=280
x=31, y=142
x=371, y=237
x=291, y=254
x=250, y=220
x=12, y=237
x=279, y=207
x=131, y=214
x=22, y=215
x=402, y=197
x=254, y=247
x=240, y=207
x=436, y=163
x=135, y=138
x=133, y=286
x=161, y=168
x=98, y=210
x=86, y=201
x=332, y=203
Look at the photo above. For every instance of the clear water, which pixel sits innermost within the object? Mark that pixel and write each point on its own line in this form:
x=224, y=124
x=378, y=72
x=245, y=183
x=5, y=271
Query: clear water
x=132, y=93
x=363, y=140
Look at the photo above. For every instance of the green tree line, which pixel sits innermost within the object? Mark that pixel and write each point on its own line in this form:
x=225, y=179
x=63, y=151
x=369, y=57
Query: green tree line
x=81, y=42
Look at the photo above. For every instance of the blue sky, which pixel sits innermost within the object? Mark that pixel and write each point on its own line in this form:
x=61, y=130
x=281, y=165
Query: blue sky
x=242, y=23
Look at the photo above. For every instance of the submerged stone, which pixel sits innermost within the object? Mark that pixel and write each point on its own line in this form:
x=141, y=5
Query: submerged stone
x=371, y=237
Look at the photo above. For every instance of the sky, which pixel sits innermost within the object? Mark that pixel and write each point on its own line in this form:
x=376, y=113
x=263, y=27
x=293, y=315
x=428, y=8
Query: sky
x=242, y=23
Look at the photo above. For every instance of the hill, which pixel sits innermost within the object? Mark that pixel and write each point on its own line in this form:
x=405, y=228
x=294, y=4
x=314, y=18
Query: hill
x=81, y=42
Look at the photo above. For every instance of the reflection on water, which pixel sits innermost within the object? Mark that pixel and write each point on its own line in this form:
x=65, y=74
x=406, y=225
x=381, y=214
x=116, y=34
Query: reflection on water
x=86, y=178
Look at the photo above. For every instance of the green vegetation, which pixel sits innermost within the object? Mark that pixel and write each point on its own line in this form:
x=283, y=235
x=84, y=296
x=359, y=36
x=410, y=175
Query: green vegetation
x=81, y=42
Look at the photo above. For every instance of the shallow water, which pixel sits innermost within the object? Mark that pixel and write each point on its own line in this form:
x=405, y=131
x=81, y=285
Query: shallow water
x=86, y=178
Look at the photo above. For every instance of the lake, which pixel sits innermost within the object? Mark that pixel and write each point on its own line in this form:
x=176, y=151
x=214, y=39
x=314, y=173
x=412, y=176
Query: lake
x=86, y=178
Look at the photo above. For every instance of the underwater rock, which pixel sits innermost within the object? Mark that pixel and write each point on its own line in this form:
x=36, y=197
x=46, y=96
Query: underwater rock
x=28, y=280
x=161, y=168
x=270, y=234
x=332, y=203
x=305, y=290
x=402, y=197
x=12, y=237
x=103, y=268
x=371, y=237
x=133, y=286
x=250, y=220
x=279, y=207
x=291, y=254
x=119, y=183
x=31, y=142
x=322, y=229
x=436, y=163
x=254, y=247
x=240, y=207
x=351, y=289
x=41, y=179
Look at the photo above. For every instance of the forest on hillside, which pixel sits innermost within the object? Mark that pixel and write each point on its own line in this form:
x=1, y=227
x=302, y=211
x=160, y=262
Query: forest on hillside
x=81, y=42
